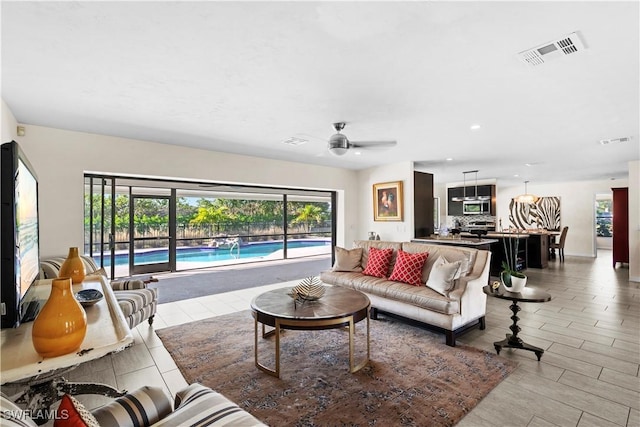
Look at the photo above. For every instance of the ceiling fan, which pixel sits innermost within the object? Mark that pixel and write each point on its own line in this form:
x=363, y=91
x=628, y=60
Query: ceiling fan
x=339, y=144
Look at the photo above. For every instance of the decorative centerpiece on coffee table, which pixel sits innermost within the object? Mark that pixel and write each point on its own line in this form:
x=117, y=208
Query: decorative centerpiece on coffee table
x=309, y=289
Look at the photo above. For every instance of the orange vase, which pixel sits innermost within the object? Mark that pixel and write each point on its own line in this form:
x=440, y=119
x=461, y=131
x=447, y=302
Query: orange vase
x=61, y=324
x=73, y=267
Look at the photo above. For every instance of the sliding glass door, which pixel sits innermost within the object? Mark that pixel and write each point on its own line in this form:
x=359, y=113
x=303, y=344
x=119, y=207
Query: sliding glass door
x=151, y=239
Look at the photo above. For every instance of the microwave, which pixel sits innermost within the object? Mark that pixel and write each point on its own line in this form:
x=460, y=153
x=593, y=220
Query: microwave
x=475, y=207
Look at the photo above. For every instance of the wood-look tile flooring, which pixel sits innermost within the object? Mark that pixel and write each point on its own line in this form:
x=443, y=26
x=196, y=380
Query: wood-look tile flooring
x=588, y=375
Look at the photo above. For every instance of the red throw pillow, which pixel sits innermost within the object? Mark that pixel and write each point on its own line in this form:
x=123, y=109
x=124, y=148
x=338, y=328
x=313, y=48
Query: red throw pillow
x=71, y=413
x=408, y=268
x=378, y=262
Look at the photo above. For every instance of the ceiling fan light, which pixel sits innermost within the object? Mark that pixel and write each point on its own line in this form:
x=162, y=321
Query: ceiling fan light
x=338, y=144
x=337, y=151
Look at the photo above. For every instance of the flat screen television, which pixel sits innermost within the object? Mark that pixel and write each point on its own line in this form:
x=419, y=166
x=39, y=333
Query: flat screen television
x=19, y=225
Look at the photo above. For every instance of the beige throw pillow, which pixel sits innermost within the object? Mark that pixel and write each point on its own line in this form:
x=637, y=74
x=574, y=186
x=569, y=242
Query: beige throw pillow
x=348, y=260
x=443, y=276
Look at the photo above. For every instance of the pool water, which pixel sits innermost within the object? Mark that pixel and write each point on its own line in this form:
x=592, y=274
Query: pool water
x=208, y=254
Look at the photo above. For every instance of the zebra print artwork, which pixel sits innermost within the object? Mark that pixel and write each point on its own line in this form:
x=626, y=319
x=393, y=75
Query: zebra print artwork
x=545, y=213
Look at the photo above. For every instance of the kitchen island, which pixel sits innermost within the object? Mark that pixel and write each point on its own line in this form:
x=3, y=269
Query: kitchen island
x=533, y=248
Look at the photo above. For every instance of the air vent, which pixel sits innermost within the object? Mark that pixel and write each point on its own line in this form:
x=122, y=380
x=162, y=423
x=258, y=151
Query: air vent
x=614, y=141
x=566, y=45
x=294, y=141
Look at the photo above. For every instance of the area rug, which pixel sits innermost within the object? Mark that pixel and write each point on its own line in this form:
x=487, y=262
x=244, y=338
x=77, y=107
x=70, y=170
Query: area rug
x=413, y=378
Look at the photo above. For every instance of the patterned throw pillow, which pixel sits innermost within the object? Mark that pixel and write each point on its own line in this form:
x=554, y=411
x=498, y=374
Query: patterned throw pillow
x=71, y=413
x=378, y=262
x=348, y=260
x=443, y=275
x=408, y=268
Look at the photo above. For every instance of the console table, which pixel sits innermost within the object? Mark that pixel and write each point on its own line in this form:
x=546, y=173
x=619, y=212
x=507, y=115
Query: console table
x=526, y=295
x=107, y=332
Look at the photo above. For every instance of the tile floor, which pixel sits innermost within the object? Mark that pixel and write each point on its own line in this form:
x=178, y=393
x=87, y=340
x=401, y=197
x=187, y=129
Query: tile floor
x=588, y=375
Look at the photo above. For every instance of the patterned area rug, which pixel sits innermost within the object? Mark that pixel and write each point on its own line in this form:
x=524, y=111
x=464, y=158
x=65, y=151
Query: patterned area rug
x=412, y=378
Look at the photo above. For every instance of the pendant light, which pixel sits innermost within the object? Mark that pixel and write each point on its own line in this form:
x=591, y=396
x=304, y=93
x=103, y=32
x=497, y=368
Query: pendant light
x=526, y=197
x=475, y=194
x=464, y=190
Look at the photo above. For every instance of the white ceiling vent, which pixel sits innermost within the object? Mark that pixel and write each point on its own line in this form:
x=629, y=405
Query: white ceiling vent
x=566, y=45
x=295, y=141
x=614, y=141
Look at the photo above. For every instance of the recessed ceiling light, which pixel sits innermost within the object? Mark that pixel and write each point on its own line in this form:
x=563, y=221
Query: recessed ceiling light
x=516, y=175
x=474, y=127
x=448, y=159
x=357, y=153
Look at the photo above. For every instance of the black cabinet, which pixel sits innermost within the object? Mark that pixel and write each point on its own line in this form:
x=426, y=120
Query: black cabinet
x=538, y=250
x=454, y=208
x=422, y=204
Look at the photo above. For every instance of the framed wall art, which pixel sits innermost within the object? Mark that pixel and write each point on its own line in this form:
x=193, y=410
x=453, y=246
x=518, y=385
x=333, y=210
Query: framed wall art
x=544, y=213
x=387, y=201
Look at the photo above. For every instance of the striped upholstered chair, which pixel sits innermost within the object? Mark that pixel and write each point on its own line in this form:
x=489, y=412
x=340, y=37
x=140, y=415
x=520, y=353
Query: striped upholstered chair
x=195, y=405
x=137, y=302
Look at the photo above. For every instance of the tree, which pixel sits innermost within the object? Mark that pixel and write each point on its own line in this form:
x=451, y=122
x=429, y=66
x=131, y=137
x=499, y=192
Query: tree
x=210, y=212
x=308, y=215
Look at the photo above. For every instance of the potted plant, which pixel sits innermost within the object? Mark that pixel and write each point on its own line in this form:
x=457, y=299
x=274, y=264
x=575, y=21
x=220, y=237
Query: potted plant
x=511, y=278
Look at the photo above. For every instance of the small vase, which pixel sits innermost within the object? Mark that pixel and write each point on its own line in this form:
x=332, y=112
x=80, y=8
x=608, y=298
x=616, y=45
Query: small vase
x=518, y=283
x=62, y=322
x=73, y=267
x=512, y=283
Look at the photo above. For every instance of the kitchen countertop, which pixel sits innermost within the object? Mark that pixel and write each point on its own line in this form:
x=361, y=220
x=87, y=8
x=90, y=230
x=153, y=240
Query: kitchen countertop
x=451, y=241
x=496, y=235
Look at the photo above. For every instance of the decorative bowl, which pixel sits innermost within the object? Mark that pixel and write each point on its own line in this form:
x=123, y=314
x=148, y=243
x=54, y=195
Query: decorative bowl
x=88, y=297
x=309, y=289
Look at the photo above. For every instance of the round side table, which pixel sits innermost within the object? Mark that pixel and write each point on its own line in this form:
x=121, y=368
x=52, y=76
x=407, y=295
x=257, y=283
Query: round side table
x=526, y=295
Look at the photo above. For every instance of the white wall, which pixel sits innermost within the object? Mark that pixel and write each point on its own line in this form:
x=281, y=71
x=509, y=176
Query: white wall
x=400, y=231
x=9, y=124
x=61, y=157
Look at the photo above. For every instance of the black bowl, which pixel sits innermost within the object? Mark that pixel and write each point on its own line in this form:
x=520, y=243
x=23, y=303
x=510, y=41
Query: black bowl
x=88, y=297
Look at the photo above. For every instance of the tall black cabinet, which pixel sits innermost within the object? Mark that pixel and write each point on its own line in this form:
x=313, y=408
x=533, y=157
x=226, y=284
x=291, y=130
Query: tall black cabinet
x=423, y=204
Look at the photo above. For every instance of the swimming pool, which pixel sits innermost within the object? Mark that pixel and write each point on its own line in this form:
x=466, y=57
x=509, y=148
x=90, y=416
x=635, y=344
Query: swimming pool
x=202, y=254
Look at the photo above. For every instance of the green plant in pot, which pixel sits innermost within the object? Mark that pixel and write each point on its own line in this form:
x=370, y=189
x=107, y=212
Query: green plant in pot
x=511, y=278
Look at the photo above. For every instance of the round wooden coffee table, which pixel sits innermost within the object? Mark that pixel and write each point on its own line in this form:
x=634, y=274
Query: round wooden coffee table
x=339, y=307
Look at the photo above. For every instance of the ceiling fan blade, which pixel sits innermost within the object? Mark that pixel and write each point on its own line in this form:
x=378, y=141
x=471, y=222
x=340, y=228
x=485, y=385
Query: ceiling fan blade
x=372, y=144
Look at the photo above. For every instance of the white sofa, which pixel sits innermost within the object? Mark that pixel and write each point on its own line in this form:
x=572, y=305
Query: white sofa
x=457, y=310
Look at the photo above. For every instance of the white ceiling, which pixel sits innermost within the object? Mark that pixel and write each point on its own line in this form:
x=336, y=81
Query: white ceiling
x=242, y=77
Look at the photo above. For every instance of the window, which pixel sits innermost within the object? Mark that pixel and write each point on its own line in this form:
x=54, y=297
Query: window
x=604, y=218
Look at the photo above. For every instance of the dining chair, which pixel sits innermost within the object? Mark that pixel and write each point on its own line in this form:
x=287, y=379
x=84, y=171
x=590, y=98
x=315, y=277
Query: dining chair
x=553, y=245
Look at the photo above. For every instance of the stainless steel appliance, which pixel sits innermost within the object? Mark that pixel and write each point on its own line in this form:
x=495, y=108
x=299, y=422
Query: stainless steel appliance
x=476, y=207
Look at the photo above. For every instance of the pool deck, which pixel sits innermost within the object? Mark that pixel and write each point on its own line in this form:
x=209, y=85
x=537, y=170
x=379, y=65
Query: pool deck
x=123, y=270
